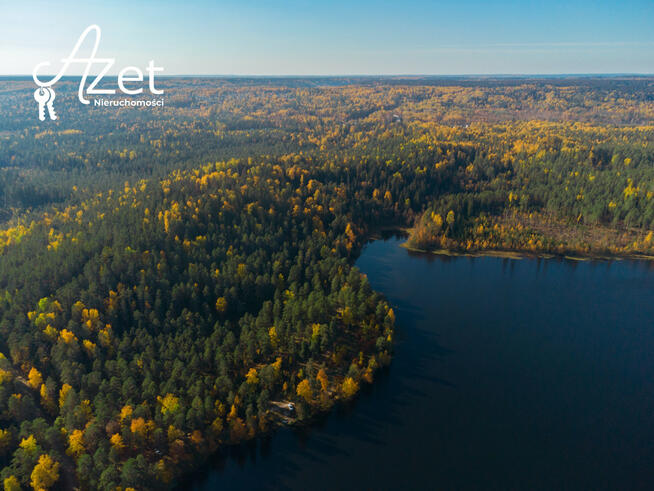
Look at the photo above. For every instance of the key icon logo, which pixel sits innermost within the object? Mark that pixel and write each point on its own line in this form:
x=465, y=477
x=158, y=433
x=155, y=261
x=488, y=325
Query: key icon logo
x=45, y=96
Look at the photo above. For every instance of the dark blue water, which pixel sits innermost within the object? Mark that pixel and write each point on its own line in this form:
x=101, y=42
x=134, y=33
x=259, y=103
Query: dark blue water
x=508, y=374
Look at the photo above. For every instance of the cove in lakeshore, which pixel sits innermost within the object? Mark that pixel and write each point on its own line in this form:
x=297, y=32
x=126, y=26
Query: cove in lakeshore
x=528, y=374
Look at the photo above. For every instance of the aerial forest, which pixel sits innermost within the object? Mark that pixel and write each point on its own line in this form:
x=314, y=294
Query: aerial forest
x=170, y=277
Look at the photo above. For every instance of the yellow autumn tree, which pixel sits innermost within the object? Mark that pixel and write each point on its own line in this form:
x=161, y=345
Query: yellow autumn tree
x=169, y=403
x=349, y=387
x=437, y=220
x=67, y=336
x=76, y=443
x=45, y=397
x=277, y=364
x=28, y=444
x=221, y=305
x=45, y=473
x=304, y=390
x=89, y=346
x=450, y=218
x=349, y=231
x=125, y=412
x=233, y=413
x=117, y=441
x=5, y=376
x=65, y=389
x=11, y=483
x=322, y=378
x=35, y=378
x=138, y=426
x=272, y=333
x=391, y=315
x=252, y=377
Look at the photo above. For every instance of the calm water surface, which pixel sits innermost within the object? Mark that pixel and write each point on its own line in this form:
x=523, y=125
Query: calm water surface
x=507, y=374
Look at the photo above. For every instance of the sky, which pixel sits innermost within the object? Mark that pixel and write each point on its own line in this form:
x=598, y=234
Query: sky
x=365, y=37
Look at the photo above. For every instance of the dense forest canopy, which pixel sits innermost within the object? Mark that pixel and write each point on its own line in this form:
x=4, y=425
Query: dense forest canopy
x=171, y=277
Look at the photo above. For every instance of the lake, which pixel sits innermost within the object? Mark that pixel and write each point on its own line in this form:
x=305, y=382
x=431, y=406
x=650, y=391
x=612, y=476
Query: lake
x=529, y=374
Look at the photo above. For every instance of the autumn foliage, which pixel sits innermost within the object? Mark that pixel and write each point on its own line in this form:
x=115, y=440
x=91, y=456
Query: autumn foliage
x=168, y=283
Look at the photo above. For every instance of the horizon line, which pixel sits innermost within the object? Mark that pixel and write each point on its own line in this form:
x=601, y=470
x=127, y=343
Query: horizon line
x=381, y=75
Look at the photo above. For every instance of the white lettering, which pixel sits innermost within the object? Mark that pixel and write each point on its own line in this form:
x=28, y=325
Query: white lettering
x=92, y=60
x=122, y=79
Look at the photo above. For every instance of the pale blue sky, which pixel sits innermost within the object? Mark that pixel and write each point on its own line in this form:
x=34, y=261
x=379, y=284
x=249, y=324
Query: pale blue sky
x=339, y=37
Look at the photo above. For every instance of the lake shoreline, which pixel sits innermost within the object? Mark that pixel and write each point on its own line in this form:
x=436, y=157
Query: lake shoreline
x=401, y=230
x=509, y=254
